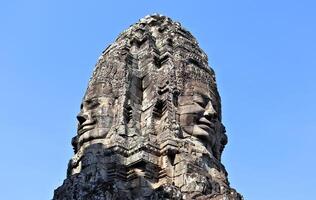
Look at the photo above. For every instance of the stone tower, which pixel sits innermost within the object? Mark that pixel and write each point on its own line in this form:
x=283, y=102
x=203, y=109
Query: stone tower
x=150, y=122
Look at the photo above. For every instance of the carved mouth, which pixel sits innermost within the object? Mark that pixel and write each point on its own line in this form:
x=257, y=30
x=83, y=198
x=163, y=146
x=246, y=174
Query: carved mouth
x=86, y=127
x=206, y=125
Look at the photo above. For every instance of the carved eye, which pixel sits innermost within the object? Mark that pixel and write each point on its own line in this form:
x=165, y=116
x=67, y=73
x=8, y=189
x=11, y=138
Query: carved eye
x=200, y=101
x=202, y=104
x=91, y=104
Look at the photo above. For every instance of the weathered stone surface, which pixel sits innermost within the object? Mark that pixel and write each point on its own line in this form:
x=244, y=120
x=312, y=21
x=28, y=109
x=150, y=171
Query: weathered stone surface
x=150, y=122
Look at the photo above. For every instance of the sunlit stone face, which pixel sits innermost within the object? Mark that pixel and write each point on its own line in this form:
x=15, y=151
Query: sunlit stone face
x=198, y=114
x=96, y=115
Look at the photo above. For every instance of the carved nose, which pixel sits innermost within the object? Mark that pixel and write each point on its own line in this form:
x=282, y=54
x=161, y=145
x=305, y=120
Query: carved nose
x=210, y=112
x=81, y=118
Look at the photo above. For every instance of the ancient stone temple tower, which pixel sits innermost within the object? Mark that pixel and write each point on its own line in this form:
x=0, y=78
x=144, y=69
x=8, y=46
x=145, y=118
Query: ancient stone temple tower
x=150, y=122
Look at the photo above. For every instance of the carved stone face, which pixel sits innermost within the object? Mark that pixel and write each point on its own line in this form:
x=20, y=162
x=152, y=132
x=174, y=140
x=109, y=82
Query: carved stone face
x=95, y=118
x=198, y=116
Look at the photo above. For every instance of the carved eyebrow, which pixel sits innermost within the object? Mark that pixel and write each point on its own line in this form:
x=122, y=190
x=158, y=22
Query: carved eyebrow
x=91, y=100
x=206, y=97
x=203, y=95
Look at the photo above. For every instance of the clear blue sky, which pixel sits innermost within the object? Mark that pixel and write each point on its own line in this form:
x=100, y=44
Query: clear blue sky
x=263, y=53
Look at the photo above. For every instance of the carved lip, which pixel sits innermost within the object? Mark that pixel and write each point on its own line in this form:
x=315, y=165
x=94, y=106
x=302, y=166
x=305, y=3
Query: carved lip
x=86, y=127
x=206, y=124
